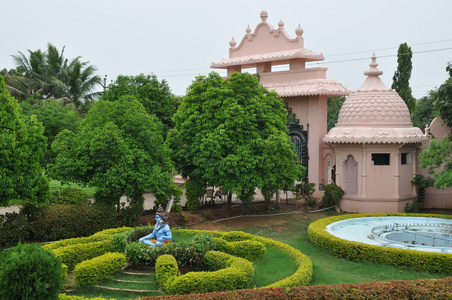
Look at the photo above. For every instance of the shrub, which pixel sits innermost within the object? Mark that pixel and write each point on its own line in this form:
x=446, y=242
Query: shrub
x=121, y=240
x=141, y=254
x=396, y=289
x=62, y=221
x=236, y=274
x=14, y=228
x=332, y=195
x=247, y=249
x=302, y=276
x=165, y=268
x=107, y=234
x=73, y=196
x=92, y=271
x=412, y=259
x=29, y=272
x=74, y=254
x=66, y=297
x=305, y=190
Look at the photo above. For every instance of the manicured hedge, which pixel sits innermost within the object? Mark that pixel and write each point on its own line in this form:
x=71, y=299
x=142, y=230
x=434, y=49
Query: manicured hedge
x=356, y=251
x=229, y=273
x=66, y=297
x=392, y=290
x=247, y=249
x=166, y=268
x=74, y=254
x=302, y=276
x=92, y=271
x=103, y=235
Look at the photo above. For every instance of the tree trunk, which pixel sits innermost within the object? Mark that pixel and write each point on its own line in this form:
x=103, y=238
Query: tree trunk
x=229, y=204
x=277, y=198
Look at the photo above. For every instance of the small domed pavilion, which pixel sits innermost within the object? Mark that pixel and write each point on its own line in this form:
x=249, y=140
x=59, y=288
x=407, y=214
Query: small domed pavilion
x=374, y=147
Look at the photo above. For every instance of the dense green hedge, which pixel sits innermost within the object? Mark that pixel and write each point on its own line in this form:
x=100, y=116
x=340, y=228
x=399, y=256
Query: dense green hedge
x=247, y=249
x=384, y=290
x=103, y=235
x=14, y=228
x=166, y=268
x=302, y=276
x=67, y=297
x=229, y=273
x=61, y=221
x=356, y=251
x=92, y=271
x=74, y=254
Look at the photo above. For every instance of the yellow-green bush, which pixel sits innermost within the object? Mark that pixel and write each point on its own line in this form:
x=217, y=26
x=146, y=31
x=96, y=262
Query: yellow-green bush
x=237, y=274
x=91, y=271
x=66, y=297
x=356, y=251
x=74, y=254
x=302, y=276
x=247, y=249
x=165, y=268
x=106, y=234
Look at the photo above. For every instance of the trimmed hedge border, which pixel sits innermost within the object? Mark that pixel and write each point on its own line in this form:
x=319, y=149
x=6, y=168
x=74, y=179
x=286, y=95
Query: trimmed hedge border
x=384, y=290
x=92, y=271
x=356, y=251
x=228, y=273
x=68, y=297
x=106, y=234
x=302, y=276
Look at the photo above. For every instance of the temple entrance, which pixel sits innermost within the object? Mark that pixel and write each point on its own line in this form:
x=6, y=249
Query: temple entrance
x=299, y=138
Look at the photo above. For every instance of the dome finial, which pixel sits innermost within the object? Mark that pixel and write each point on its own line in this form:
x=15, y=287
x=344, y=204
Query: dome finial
x=248, y=29
x=373, y=71
x=281, y=24
x=232, y=43
x=299, y=31
x=264, y=16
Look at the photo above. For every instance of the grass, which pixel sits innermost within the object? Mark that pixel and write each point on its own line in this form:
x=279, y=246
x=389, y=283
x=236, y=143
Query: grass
x=55, y=185
x=328, y=269
x=266, y=271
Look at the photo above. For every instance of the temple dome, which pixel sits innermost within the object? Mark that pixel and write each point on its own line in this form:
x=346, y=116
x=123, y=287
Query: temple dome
x=374, y=114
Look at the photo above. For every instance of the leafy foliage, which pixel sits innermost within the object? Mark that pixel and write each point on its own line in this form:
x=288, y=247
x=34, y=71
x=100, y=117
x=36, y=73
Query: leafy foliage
x=155, y=96
x=334, y=107
x=22, y=146
x=426, y=110
x=49, y=75
x=30, y=272
x=305, y=190
x=402, y=76
x=232, y=133
x=444, y=100
x=119, y=150
x=332, y=195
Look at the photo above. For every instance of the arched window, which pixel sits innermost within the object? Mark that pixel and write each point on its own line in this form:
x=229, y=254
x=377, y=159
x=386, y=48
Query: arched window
x=351, y=175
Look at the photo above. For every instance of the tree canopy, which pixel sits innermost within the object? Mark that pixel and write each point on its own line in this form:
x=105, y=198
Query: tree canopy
x=232, y=133
x=438, y=156
x=22, y=146
x=426, y=110
x=48, y=74
x=334, y=107
x=401, y=78
x=119, y=150
x=155, y=95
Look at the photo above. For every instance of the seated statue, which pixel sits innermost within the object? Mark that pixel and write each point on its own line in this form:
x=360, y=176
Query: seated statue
x=161, y=233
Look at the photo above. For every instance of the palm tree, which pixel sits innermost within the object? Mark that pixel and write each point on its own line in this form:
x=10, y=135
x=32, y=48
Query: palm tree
x=77, y=84
x=50, y=75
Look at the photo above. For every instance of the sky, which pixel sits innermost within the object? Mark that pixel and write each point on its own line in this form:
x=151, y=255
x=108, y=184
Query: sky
x=179, y=39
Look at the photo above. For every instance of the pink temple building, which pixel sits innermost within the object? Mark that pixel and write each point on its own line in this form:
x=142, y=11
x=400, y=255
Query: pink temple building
x=372, y=152
x=305, y=90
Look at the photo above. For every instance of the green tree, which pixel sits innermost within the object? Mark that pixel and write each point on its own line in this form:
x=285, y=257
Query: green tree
x=426, y=110
x=438, y=156
x=49, y=75
x=401, y=78
x=119, y=150
x=155, y=96
x=54, y=116
x=232, y=133
x=334, y=107
x=22, y=146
